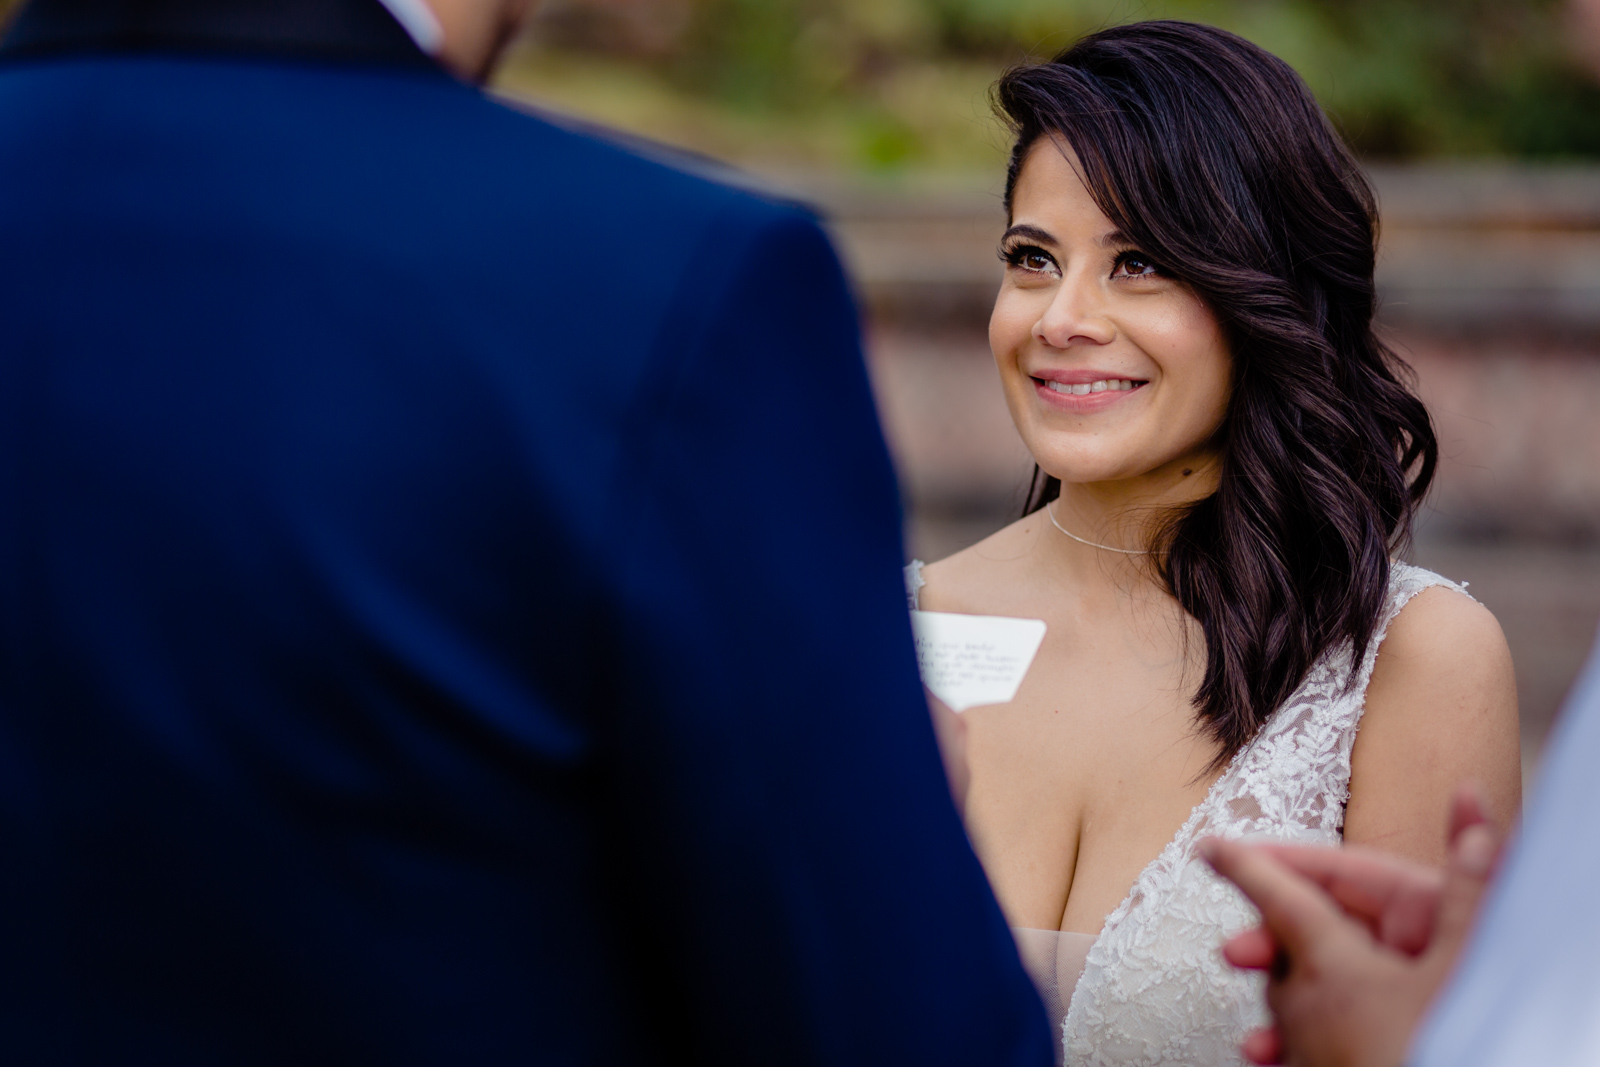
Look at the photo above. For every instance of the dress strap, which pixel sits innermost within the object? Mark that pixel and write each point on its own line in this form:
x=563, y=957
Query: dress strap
x=1405, y=582
x=1293, y=779
x=1343, y=714
x=914, y=583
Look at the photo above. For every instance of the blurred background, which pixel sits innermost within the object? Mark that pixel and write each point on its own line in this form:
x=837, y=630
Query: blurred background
x=1479, y=121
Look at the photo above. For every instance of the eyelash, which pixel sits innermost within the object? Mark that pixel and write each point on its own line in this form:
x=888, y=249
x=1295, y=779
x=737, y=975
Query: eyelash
x=1016, y=254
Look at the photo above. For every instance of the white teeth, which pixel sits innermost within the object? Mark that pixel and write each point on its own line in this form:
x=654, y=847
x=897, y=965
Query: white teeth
x=1115, y=385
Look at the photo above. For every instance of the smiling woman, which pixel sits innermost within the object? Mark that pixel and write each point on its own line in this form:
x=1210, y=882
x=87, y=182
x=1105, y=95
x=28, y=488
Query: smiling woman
x=1228, y=464
x=1075, y=283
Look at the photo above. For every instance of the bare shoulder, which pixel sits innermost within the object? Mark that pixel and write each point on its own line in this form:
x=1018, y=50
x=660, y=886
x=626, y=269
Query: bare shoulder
x=1443, y=665
x=1442, y=631
x=991, y=577
x=1441, y=710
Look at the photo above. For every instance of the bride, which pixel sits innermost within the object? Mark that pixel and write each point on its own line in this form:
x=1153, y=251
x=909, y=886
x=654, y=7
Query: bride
x=1228, y=459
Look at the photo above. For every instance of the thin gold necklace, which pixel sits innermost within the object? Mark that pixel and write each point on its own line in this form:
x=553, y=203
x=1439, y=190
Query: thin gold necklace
x=1050, y=510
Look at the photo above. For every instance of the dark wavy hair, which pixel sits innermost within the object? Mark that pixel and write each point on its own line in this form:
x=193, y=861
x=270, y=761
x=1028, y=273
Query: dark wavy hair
x=1215, y=159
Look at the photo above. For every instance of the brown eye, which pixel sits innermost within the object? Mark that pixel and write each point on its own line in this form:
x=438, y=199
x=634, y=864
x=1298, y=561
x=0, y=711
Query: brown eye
x=1136, y=265
x=1030, y=259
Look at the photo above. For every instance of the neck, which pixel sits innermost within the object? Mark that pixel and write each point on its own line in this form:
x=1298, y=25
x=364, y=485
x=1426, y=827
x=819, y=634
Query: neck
x=1125, y=514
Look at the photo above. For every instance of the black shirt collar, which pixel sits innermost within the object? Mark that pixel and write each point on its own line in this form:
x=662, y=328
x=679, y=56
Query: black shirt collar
x=360, y=31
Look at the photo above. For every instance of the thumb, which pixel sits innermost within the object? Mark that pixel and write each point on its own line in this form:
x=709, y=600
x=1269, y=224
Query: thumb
x=1253, y=950
x=1472, y=859
x=1295, y=911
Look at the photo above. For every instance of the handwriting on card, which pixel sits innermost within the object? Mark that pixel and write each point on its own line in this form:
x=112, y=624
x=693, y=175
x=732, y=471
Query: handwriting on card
x=969, y=660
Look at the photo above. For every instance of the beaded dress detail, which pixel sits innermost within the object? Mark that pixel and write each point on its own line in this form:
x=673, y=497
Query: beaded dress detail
x=1155, y=991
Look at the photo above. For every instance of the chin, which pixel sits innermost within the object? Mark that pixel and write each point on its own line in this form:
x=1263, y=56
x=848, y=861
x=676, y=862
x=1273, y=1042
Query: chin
x=1089, y=473
x=1080, y=465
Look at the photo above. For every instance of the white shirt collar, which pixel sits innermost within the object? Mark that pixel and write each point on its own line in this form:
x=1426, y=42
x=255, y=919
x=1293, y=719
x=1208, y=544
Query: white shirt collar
x=418, y=19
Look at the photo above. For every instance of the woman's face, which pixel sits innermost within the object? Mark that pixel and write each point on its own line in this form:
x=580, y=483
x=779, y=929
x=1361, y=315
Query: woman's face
x=1113, y=370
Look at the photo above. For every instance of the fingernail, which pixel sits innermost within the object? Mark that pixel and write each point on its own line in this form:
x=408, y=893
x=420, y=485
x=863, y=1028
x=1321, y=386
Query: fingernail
x=1475, y=851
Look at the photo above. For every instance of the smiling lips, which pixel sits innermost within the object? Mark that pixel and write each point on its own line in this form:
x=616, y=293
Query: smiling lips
x=1101, y=385
x=1081, y=391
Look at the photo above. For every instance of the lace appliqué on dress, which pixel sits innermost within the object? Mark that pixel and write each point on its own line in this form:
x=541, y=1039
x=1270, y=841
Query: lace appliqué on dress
x=1155, y=990
x=914, y=582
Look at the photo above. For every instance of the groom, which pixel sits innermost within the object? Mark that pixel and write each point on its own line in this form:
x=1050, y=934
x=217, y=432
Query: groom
x=449, y=591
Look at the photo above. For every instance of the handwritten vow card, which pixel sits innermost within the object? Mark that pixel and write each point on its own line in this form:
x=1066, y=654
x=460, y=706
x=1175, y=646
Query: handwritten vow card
x=968, y=660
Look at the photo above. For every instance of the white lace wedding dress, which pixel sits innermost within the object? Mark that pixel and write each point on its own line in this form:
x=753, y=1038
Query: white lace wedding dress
x=1154, y=990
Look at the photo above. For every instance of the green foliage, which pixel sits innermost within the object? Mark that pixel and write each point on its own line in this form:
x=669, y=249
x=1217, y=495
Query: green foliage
x=892, y=83
x=1443, y=77
x=1402, y=78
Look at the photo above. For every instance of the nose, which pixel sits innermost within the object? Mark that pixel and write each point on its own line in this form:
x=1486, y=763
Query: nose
x=1075, y=316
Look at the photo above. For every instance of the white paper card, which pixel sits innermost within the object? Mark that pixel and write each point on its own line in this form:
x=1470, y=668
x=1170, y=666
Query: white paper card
x=968, y=660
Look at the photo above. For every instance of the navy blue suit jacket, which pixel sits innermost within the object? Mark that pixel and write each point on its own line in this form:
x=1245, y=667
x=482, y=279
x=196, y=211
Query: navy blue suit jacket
x=449, y=587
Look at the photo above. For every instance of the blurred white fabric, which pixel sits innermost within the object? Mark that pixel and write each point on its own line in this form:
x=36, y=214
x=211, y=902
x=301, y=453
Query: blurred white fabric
x=1527, y=990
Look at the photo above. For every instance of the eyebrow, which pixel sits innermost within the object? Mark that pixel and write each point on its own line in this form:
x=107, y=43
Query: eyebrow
x=1033, y=233
x=1113, y=239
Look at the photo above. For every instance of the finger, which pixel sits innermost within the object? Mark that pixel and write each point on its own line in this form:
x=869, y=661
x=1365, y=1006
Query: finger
x=1252, y=950
x=1395, y=898
x=1472, y=861
x=1263, y=1046
x=1363, y=881
x=1474, y=847
x=1294, y=910
x=1467, y=808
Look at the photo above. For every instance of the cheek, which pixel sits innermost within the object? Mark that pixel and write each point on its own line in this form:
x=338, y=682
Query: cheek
x=1213, y=365
x=1196, y=348
x=1210, y=384
x=1010, y=327
x=1222, y=394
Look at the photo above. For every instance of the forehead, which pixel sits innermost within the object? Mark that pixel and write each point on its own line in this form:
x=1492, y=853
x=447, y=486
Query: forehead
x=1050, y=193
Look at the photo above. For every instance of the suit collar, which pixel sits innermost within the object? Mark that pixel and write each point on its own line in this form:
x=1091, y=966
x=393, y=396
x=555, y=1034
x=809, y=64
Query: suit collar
x=359, y=31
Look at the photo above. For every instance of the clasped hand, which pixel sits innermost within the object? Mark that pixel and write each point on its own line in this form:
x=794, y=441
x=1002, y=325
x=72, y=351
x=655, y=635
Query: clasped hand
x=1355, y=943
